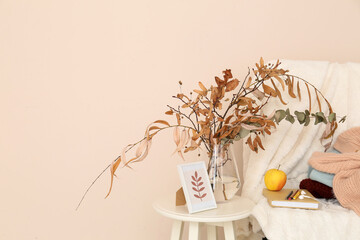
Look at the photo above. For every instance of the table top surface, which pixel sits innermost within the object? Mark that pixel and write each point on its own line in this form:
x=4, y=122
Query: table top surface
x=231, y=210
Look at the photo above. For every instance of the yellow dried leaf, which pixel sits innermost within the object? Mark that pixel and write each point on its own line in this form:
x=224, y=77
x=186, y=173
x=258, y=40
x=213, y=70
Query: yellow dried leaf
x=261, y=62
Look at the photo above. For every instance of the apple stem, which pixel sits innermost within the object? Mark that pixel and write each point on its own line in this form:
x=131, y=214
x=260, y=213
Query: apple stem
x=278, y=167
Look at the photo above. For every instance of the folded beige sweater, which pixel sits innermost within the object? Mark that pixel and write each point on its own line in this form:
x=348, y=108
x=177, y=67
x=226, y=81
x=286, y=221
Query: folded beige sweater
x=346, y=183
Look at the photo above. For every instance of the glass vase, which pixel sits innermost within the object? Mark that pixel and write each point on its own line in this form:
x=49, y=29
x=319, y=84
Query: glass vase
x=223, y=173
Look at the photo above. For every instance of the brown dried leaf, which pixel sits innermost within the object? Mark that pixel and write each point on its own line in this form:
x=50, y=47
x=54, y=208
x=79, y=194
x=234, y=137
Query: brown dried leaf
x=281, y=81
x=225, y=134
x=307, y=86
x=219, y=82
x=176, y=135
x=144, y=154
x=202, y=87
x=298, y=91
x=140, y=149
x=232, y=85
x=227, y=120
x=170, y=112
x=267, y=131
x=227, y=74
x=255, y=143
x=185, y=136
x=261, y=62
x=258, y=140
x=153, y=128
x=269, y=91
x=248, y=83
x=162, y=122
x=199, y=92
x=113, y=167
x=249, y=142
x=178, y=119
x=291, y=88
x=318, y=100
x=197, y=135
x=278, y=93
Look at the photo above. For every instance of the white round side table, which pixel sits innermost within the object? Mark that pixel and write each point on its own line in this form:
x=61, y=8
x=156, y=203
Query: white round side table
x=224, y=215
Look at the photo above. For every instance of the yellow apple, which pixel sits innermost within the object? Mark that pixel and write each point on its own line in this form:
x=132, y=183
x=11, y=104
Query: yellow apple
x=275, y=179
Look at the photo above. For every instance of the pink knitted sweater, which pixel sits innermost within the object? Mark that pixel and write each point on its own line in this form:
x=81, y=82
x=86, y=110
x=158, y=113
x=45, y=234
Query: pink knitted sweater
x=346, y=183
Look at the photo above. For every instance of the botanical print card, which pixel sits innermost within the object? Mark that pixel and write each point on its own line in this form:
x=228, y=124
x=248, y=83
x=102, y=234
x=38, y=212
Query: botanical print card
x=196, y=185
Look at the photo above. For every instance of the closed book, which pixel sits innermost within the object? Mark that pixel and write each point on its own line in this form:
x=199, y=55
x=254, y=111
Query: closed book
x=279, y=199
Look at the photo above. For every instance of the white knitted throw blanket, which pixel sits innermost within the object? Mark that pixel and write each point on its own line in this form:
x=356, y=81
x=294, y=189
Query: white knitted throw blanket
x=291, y=145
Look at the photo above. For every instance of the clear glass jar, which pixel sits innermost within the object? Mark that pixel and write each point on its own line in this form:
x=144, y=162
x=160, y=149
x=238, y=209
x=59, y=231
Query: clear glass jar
x=223, y=172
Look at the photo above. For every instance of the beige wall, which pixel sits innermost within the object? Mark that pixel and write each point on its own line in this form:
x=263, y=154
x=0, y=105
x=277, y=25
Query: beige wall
x=80, y=79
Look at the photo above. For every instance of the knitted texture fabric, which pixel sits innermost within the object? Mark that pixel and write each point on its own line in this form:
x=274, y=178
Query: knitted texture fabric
x=346, y=183
x=348, y=141
x=317, y=189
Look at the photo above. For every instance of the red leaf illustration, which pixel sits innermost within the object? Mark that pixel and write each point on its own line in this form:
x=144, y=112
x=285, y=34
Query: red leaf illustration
x=196, y=183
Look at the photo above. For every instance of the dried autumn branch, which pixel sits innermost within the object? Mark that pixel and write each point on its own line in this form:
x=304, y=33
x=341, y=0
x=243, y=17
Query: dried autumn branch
x=231, y=110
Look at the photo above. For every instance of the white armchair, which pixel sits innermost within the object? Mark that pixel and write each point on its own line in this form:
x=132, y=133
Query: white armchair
x=291, y=145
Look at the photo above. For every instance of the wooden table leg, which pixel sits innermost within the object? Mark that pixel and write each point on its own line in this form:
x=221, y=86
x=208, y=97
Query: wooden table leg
x=177, y=229
x=229, y=231
x=193, y=231
x=211, y=232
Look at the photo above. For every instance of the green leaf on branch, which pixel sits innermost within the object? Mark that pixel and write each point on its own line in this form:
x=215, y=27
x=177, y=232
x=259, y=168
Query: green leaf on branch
x=319, y=117
x=300, y=117
x=342, y=119
x=307, y=120
x=242, y=133
x=279, y=115
x=332, y=117
x=290, y=118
